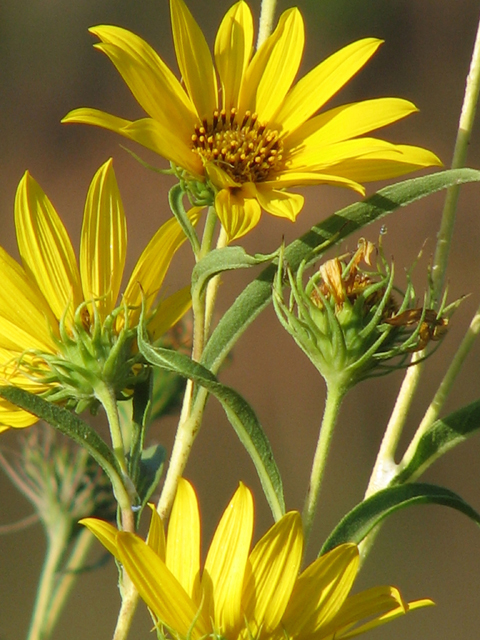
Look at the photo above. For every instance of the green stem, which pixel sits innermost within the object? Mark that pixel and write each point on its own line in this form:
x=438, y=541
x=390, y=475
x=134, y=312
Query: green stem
x=444, y=389
x=57, y=540
x=67, y=579
x=333, y=402
x=385, y=467
x=130, y=597
x=267, y=13
x=462, y=142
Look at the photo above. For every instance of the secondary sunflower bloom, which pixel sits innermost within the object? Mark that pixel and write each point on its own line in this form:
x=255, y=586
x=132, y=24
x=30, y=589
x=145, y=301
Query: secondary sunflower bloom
x=243, y=594
x=61, y=331
x=241, y=128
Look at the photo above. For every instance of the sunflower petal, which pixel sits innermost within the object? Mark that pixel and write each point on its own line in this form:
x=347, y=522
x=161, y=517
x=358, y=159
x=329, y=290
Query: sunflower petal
x=162, y=592
x=12, y=417
x=233, y=48
x=156, y=534
x=319, y=85
x=183, y=538
x=321, y=590
x=86, y=115
x=349, y=121
x=292, y=178
x=164, y=140
x=274, y=564
x=194, y=60
x=46, y=251
x=152, y=83
x=274, y=67
x=149, y=272
x=103, y=243
x=237, y=213
x=26, y=321
x=280, y=203
x=169, y=312
x=226, y=561
x=105, y=532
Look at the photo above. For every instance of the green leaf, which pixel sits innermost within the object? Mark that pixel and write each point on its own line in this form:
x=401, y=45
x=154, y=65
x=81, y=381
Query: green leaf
x=224, y=259
x=67, y=423
x=257, y=295
x=358, y=523
x=443, y=435
x=239, y=412
x=151, y=467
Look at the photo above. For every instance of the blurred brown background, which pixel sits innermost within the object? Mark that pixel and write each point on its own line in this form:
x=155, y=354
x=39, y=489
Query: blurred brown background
x=47, y=67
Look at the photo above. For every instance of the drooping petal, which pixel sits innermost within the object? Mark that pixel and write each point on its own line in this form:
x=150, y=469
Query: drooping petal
x=274, y=564
x=233, y=48
x=320, y=591
x=313, y=158
x=25, y=318
x=280, y=203
x=86, y=115
x=105, y=532
x=226, y=562
x=183, y=538
x=293, y=178
x=237, y=213
x=103, y=245
x=164, y=140
x=162, y=592
x=46, y=251
x=152, y=83
x=168, y=312
x=383, y=603
x=156, y=534
x=349, y=121
x=11, y=417
x=149, y=272
x=274, y=67
x=194, y=60
x=312, y=91
x=386, y=164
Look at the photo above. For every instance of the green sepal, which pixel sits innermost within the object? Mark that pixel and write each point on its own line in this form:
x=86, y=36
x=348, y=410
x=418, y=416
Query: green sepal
x=175, y=200
x=443, y=435
x=224, y=259
x=239, y=412
x=257, y=295
x=360, y=521
x=70, y=425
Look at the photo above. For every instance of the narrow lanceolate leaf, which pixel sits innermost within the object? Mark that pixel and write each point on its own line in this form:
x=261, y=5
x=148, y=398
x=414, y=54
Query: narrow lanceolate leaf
x=358, y=523
x=68, y=424
x=239, y=413
x=225, y=259
x=329, y=232
x=442, y=436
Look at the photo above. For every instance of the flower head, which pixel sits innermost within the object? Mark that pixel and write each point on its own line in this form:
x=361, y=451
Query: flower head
x=347, y=320
x=61, y=331
x=243, y=594
x=241, y=126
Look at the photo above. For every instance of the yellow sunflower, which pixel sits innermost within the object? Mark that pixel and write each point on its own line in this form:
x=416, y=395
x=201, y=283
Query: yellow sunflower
x=60, y=327
x=241, y=127
x=243, y=594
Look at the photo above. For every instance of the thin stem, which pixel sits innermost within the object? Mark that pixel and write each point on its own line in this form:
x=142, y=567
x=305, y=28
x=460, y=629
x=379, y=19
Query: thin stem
x=130, y=597
x=267, y=13
x=464, y=133
x=57, y=540
x=445, y=387
x=385, y=467
x=333, y=403
x=68, y=577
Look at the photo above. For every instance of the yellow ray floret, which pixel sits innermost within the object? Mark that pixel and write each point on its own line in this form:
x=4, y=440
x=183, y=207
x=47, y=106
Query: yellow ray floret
x=49, y=300
x=243, y=593
x=238, y=121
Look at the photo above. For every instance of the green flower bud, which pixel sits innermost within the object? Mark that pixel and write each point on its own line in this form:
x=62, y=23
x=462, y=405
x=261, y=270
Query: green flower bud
x=347, y=320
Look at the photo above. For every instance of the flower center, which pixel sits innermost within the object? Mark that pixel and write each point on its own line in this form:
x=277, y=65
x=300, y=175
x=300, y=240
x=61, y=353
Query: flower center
x=245, y=149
